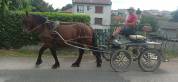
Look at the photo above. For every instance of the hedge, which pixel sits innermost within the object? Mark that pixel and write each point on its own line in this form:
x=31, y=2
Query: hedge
x=67, y=17
x=12, y=36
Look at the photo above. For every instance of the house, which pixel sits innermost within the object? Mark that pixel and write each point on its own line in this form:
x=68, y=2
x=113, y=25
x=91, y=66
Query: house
x=166, y=14
x=168, y=29
x=170, y=33
x=120, y=12
x=98, y=10
x=152, y=12
x=119, y=16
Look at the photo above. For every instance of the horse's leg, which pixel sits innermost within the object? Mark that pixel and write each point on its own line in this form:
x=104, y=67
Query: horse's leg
x=39, y=60
x=77, y=62
x=53, y=52
x=98, y=57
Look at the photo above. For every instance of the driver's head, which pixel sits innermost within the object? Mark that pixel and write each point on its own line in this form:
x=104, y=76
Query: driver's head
x=131, y=10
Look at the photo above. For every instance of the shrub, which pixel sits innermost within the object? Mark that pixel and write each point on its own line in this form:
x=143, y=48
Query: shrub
x=12, y=36
x=148, y=20
x=66, y=17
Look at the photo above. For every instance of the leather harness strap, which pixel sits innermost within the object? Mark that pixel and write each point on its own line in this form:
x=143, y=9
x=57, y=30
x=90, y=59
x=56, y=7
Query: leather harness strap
x=52, y=25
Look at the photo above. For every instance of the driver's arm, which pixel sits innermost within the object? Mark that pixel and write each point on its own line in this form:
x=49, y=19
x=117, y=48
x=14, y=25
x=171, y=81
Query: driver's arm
x=132, y=24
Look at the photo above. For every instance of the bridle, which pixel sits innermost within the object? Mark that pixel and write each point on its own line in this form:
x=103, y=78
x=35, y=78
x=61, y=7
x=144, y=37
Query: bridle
x=36, y=27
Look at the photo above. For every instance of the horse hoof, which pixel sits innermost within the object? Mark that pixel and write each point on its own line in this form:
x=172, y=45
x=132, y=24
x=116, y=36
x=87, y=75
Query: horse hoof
x=75, y=65
x=38, y=62
x=55, y=66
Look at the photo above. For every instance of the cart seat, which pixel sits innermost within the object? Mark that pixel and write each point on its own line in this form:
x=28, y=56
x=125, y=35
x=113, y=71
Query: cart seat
x=137, y=37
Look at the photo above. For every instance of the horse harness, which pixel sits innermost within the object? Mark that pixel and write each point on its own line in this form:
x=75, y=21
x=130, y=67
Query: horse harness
x=52, y=25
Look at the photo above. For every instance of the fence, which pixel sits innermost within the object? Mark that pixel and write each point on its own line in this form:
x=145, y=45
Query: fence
x=103, y=34
x=169, y=46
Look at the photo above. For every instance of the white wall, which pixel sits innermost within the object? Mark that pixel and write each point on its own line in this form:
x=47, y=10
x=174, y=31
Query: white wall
x=106, y=15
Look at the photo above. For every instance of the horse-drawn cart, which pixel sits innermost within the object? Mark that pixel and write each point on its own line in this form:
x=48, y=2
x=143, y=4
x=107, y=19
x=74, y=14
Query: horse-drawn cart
x=121, y=52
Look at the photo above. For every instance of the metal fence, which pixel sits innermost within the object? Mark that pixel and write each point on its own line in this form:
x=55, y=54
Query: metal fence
x=169, y=46
x=103, y=35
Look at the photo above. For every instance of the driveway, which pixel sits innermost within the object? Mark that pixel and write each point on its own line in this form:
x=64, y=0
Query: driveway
x=22, y=69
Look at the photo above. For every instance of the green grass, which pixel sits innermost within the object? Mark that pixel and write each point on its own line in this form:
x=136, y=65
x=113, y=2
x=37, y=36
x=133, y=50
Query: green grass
x=171, y=53
x=32, y=51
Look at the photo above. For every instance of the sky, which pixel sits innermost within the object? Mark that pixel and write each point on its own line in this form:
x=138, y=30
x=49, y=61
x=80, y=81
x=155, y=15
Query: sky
x=168, y=5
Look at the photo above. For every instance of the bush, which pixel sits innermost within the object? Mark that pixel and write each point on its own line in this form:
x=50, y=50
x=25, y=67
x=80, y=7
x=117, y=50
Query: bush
x=175, y=16
x=151, y=20
x=66, y=17
x=12, y=36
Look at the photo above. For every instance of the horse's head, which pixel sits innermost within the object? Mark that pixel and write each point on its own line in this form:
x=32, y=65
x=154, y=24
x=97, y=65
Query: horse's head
x=31, y=21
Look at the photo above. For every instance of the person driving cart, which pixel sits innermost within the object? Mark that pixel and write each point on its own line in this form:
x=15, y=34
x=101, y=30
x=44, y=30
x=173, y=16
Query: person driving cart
x=128, y=29
x=129, y=24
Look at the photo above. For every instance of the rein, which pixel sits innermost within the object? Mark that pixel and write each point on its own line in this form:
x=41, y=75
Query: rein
x=37, y=27
x=67, y=42
x=54, y=27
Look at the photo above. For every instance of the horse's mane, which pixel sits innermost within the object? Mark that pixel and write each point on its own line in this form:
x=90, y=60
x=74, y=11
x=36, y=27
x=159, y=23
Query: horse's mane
x=39, y=19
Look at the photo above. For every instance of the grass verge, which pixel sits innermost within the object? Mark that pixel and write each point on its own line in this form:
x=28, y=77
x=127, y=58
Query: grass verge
x=32, y=51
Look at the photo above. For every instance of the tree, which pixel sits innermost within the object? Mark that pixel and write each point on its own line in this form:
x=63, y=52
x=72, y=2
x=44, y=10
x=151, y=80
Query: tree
x=25, y=5
x=175, y=16
x=13, y=5
x=68, y=6
x=4, y=7
x=148, y=20
x=42, y=6
x=57, y=10
x=138, y=11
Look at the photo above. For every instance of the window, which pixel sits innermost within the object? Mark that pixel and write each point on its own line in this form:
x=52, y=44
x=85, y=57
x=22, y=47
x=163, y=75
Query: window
x=98, y=9
x=98, y=21
x=80, y=8
x=88, y=8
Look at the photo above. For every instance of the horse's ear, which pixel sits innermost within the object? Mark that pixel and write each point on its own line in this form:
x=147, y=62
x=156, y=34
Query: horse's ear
x=26, y=12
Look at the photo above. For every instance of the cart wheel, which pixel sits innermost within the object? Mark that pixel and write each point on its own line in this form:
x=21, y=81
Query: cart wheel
x=149, y=60
x=120, y=61
x=106, y=56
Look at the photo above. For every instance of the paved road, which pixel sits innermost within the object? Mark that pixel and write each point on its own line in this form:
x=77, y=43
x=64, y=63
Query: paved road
x=22, y=69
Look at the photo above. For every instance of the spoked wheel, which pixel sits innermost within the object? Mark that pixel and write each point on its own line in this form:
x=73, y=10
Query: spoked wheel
x=105, y=55
x=149, y=60
x=120, y=61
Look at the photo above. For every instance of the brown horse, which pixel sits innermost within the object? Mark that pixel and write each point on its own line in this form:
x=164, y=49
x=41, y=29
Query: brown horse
x=69, y=31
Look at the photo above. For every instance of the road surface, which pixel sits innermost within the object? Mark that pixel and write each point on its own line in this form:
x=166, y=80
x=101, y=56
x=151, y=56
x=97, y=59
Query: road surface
x=22, y=69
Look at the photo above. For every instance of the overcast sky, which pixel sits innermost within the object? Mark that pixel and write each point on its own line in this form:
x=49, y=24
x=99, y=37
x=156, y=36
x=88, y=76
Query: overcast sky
x=169, y=5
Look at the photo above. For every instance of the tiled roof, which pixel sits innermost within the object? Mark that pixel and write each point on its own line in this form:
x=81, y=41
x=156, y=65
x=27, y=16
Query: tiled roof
x=108, y=2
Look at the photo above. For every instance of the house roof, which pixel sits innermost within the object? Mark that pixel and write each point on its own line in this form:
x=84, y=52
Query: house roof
x=103, y=2
x=68, y=10
x=168, y=25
